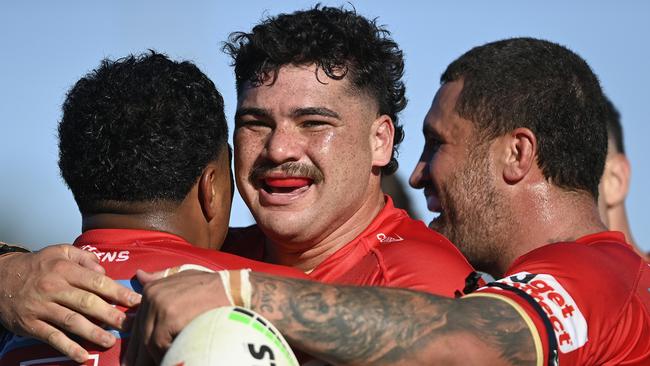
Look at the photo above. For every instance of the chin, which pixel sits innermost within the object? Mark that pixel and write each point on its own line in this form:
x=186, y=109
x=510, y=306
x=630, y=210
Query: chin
x=282, y=226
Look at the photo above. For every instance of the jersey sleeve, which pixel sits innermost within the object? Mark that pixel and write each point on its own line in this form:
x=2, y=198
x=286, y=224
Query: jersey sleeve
x=581, y=304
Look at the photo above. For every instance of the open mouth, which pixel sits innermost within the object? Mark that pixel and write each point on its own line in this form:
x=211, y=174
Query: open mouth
x=286, y=185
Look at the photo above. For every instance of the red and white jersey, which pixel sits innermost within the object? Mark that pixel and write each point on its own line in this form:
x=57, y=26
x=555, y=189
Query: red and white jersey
x=122, y=252
x=393, y=251
x=587, y=302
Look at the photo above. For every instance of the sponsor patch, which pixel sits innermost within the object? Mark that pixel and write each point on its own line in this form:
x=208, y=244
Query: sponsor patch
x=568, y=322
x=121, y=256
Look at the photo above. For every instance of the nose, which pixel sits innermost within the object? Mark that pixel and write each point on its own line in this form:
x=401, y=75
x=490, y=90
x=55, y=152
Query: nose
x=420, y=175
x=284, y=145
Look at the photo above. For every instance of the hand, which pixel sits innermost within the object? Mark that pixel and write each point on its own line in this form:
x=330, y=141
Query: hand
x=54, y=290
x=168, y=305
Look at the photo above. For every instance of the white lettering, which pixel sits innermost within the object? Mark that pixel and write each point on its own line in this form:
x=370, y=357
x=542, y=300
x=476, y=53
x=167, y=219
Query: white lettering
x=568, y=322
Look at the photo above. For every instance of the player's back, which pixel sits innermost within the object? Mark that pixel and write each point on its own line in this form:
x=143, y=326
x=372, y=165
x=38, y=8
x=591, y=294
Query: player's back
x=122, y=252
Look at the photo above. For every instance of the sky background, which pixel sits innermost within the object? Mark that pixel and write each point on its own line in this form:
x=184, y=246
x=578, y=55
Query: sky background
x=45, y=46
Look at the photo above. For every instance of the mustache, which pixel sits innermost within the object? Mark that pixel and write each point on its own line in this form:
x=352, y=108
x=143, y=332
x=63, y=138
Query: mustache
x=291, y=168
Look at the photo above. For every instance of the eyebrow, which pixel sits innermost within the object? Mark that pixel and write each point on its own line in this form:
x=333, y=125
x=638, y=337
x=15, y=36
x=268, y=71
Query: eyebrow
x=260, y=112
x=298, y=112
x=310, y=111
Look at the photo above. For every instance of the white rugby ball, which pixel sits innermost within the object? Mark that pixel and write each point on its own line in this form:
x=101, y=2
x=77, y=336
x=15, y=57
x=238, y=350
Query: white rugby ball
x=231, y=336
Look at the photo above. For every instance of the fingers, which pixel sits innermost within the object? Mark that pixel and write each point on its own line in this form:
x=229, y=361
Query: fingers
x=104, y=287
x=158, y=338
x=146, y=277
x=85, y=258
x=93, y=306
x=59, y=341
x=136, y=345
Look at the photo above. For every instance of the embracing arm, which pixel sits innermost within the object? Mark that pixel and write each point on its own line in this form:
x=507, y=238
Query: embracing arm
x=48, y=295
x=380, y=326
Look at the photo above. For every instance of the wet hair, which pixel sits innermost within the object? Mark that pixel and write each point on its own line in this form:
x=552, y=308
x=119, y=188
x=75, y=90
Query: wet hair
x=139, y=129
x=614, y=128
x=545, y=87
x=338, y=41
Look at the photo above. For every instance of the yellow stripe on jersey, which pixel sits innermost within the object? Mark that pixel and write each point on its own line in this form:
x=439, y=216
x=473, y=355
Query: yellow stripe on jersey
x=539, y=350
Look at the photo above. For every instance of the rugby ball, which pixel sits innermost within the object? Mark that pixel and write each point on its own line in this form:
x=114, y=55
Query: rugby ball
x=230, y=336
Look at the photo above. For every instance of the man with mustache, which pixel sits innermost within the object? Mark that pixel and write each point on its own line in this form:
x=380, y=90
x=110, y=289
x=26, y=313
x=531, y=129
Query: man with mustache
x=316, y=127
x=143, y=148
x=319, y=93
x=515, y=145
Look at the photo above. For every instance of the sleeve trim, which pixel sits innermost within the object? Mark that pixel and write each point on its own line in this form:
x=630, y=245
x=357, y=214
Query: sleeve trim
x=539, y=350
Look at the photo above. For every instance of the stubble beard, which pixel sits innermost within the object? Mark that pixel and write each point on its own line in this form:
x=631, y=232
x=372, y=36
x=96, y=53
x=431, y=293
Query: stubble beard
x=476, y=215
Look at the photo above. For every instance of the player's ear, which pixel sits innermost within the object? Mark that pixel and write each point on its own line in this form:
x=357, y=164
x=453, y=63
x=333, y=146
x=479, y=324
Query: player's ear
x=520, y=153
x=207, y=192
x=616, y=179
x=382, y=132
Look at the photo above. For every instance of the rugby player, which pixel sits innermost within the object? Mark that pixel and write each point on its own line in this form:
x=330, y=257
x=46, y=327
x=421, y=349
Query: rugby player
x=316, y=127
x=515, y=145
x=143, y=148
x=615, y=183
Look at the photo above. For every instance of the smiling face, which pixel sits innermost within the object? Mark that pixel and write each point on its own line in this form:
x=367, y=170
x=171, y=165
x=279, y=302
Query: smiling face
x=460, y=182
x=304, y=161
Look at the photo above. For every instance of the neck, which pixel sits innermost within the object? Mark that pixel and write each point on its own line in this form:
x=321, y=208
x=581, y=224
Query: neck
x=548, y=214
x=178, y=221
x=308, y=255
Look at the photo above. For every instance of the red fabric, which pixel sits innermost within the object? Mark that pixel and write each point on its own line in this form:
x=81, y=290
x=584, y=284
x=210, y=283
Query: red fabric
x=596, y=293
x=393, y=251
x=122, y=252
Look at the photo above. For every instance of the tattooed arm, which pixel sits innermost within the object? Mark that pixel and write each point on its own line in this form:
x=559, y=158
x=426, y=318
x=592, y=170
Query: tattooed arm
x=379, y=326
x=344, y=325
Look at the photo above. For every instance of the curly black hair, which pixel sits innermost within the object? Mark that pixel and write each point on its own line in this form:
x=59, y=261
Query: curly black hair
x=338, y=41
x=543, y=86
x=139, y=129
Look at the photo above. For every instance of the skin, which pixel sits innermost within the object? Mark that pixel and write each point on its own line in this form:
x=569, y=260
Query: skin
x=347, y=325
x=460, y=182
x=71, y=285
x=307, y=125
x=325, y=121
x=373, y=326
x=59, y=295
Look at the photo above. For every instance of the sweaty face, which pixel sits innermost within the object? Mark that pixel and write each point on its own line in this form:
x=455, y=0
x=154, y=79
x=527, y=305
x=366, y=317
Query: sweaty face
x=456, y=173
x=302, y=153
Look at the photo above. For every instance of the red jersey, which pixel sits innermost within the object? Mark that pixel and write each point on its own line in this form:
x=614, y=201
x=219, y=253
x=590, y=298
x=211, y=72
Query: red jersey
x=587, y=302
x=393, y=251
x=122, y=252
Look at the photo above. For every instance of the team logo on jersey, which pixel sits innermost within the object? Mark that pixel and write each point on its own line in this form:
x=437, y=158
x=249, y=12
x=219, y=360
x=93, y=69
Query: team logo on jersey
x=114, y=256
x=568, y=322
x=383, y=238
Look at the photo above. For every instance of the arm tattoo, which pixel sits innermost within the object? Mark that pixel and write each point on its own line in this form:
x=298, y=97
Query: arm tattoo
x=349, y=325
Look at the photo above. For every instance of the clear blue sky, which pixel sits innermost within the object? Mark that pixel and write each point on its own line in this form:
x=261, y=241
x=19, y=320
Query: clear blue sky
x=45, y=46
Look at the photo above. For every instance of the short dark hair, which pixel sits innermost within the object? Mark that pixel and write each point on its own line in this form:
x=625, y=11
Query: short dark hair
x=540, y=85
x=614, y=127
x=139, y=129
x=338, y=41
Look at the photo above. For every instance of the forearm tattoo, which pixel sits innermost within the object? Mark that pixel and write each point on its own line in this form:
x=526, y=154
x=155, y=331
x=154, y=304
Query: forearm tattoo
x=377, y=326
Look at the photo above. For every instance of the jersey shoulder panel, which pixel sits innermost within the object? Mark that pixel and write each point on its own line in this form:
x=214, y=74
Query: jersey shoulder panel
x=405, y=253
x=588, y=294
